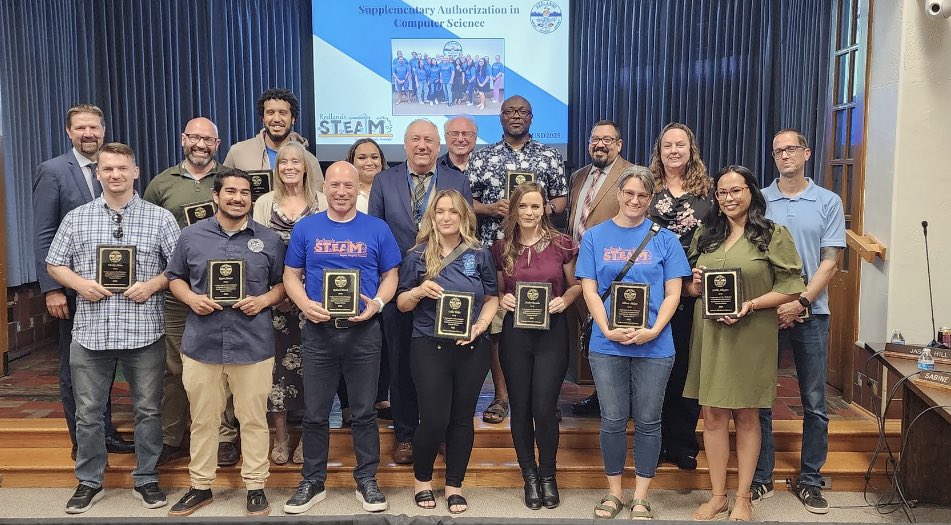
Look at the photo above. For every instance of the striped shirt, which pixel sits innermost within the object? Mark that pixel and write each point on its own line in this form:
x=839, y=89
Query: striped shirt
x=116, y=322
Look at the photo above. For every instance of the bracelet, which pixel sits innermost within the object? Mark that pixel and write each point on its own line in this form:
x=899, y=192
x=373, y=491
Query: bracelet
x=752, y=305
x=380, y=302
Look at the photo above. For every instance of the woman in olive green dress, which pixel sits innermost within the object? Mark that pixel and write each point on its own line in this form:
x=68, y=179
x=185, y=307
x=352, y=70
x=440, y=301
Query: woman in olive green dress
x=733, y=360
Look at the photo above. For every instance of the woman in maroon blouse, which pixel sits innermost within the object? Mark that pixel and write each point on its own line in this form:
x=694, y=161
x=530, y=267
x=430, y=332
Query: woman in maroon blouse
x=535, y=361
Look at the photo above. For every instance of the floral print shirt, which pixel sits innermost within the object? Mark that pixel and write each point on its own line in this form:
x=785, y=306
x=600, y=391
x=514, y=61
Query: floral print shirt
x=681, y=215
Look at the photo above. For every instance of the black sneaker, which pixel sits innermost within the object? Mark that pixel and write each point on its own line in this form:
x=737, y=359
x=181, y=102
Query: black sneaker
x=83, y=499
x=760, y=491
x=811, y=498
x=309, y=493
x=368, y=493
x=193, y=500
x=257, y=503
x=150, y=495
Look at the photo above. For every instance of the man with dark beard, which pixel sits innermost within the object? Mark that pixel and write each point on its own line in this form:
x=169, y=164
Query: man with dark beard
x=278, y=109
x=186, y=186
x=591, y=201
x=487, y=172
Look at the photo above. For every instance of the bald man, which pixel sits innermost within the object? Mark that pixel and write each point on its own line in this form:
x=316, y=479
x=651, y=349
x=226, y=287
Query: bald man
x=340, y=238
x=186, y=187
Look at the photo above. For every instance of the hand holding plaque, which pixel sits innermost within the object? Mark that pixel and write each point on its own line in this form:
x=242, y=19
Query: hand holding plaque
x=722, y=292
x=226, y=281
x=629, y=305
x=342, y=292
x=197, y=211
x=531, y=305
x=115, y=267
x=454, y=315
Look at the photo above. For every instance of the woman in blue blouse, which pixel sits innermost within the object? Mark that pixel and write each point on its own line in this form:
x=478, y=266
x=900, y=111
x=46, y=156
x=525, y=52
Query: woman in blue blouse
x=631, y=365
x=448, y=373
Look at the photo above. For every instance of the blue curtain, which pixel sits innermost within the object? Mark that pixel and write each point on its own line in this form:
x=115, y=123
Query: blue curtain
x=734, y=71
x=151, y=66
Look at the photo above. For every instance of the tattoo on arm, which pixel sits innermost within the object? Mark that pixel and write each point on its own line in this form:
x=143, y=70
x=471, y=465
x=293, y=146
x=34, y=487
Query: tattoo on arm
x=830, y=253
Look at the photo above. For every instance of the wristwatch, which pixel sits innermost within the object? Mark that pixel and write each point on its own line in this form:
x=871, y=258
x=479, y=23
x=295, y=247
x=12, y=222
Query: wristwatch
x=379, y=302
x=806, y=303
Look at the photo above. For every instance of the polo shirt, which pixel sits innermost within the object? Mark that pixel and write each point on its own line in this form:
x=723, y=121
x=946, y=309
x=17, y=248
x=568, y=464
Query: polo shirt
x=816, y=220
x=228, y=336
x=363, y=243
x=116, y=322
x=473, y=271
x=175, y=187
x=497, y=68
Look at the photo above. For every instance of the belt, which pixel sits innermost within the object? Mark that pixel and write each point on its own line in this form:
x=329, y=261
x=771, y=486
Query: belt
x=342, y=323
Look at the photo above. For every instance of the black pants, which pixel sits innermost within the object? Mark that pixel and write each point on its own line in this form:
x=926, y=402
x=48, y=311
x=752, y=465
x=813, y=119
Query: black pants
x=679, y=419
x=397, y=332
x=534, y=363
x=382, y=385
x=448, y=380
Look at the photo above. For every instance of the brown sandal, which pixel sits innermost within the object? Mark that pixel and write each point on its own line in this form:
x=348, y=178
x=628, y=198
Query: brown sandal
x=748, y=503
x=706, y=511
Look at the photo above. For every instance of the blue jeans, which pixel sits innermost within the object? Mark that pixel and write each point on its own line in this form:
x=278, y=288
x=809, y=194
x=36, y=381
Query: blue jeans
x=93, y=373
x=810, y=344
x=630, y=387
x=328, y=352
x=422, y=91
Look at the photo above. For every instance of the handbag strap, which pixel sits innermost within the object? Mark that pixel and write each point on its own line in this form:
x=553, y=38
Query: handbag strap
x=655, y=228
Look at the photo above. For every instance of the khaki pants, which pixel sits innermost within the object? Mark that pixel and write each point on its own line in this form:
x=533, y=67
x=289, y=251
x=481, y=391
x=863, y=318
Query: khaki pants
x=207, y=386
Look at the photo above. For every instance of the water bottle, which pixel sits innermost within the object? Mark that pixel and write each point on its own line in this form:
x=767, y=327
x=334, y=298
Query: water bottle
x=897, y=337
x=926, y=362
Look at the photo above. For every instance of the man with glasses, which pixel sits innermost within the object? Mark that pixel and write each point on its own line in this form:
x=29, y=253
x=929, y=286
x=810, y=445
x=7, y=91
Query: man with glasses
x=404, y=188
x=60, y=185
x=185, y=190
x=461, y=133
x=228, y=342
x=488, y=174
x=591, y=202
x=278, y=110
x=113, y=252
x=815, y=217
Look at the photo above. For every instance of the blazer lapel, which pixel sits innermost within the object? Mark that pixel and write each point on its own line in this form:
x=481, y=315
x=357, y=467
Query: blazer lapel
x=610, y=182
x=403, y=188
x=79, y=178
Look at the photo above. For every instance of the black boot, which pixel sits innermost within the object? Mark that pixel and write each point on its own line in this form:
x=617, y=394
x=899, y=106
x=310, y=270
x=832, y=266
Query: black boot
x=549, y=487
x=589, y=406
x=533, y=495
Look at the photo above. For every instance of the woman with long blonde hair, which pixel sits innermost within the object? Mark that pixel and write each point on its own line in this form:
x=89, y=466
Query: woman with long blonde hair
x=448, y=373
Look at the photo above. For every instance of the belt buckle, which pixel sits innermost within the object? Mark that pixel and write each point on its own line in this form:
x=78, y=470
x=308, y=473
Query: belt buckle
x=342, y=323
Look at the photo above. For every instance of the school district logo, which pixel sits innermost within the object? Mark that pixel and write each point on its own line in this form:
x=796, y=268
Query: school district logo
x=545, y=16
x=452, y=49
x=256, y=245
x=469, y=265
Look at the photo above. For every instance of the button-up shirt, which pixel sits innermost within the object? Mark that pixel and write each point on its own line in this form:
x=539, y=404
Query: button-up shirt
x=487, y=175
x=228, y=336
x=116, y=322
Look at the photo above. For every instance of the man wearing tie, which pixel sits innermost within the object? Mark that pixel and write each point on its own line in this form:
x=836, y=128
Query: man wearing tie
x=591, y=201
x=60, y=185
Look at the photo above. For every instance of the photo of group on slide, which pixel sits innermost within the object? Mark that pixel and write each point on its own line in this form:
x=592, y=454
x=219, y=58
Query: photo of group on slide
x=439, y=77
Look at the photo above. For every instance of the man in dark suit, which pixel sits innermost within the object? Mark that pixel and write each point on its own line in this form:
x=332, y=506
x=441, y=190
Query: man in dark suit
x=399, y=196
x=60, y=185
x=592, y=200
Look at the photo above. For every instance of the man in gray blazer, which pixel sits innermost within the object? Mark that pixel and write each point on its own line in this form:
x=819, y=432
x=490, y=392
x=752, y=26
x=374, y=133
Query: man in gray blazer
x=59, y=185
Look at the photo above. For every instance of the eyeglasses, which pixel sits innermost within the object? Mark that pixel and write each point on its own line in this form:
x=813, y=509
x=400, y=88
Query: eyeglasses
x=628, y=194
x=194, y=139
x=511, y=112
x=607, y=141
x=460, y=134
x=732, y=192
x=117, y=220
x=788, y=150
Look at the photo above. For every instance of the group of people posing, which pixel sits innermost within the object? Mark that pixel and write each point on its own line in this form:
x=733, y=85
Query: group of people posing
x=203, y=369
x=442, y=78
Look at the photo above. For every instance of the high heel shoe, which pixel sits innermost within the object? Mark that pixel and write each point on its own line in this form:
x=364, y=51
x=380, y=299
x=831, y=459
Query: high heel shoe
x=550, y=497
x=533, y=495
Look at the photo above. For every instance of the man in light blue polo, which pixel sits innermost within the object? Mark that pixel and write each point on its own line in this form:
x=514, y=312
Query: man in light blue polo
x=401, y=75
x=816, y=220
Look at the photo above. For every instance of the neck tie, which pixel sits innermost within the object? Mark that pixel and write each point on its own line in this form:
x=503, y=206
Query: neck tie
x=419, y=192
x=589, y=201
x=96, y=185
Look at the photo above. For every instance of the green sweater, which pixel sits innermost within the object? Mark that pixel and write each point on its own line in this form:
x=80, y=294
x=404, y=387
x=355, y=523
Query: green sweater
x=172, y=189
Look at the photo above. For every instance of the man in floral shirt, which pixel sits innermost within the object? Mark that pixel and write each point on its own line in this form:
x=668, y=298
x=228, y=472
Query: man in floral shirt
x=516, y=152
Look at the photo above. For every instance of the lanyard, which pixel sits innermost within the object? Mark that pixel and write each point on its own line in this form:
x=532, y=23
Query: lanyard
x=422, y=206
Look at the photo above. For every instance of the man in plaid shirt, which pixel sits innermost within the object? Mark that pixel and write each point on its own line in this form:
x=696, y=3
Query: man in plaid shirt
x=122, y=324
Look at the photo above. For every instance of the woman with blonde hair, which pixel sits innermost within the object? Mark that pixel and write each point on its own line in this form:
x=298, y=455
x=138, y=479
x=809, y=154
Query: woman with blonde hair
x=448, y=373
x=295, y=196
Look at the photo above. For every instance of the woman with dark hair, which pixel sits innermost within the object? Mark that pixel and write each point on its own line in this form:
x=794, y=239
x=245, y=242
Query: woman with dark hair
x=534, y=362
x=421, y=77
x=434, y=86
x=458, y=81
x=482, y=82
x=367, y=156
x=630, y=365
x=733, y=360
x=682, y=198
x=448, y=257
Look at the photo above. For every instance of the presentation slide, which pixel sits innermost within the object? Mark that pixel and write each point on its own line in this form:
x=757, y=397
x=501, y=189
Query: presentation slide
x=379, y=65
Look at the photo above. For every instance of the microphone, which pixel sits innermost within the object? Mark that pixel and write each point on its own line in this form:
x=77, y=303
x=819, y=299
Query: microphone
x=934, y=332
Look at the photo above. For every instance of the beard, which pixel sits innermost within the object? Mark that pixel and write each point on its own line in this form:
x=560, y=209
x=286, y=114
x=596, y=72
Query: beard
x=89, y=148
x=198, y=162
x=275, y=138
